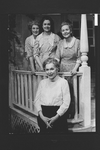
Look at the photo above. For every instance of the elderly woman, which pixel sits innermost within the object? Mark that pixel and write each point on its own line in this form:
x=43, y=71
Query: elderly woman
x=29, y=42
x=46, y=42
x=52, y=100
x=68, y=54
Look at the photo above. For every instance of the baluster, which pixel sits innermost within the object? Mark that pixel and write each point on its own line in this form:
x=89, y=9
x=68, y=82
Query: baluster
x=22, y=90
x=18, y=78
x=15, y=88
x=34, y=85
x=30, y=92
x=26, y=91
x=75, y=96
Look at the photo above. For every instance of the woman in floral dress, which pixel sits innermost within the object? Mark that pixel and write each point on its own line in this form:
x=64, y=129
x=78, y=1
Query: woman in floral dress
x=68, y=54
x=46, y=42
x=29, y=42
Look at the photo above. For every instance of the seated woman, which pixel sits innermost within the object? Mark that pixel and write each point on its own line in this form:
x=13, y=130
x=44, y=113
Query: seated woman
x=29, y=42
x=52, y=100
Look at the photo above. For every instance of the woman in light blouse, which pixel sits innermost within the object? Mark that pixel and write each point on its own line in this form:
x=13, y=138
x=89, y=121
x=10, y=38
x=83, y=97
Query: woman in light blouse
x=46, y=42
x=68, y=54
x=29, y=42
x=52, y=100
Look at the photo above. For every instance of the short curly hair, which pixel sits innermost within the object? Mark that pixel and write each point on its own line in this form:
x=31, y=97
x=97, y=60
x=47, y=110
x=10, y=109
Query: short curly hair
x=31, y=23
x=69, y=23
x=51, y=60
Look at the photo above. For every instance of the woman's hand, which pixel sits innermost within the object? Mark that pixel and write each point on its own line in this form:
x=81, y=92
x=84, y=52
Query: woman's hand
x=46, y=120
x=73, y=72
x=41, y=69
x=53, y=119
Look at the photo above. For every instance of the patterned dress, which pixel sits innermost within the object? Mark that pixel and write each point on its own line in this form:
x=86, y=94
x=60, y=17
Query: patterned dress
x=29, y=45
x=45, y=46
x=68, y=54
x=29, y=48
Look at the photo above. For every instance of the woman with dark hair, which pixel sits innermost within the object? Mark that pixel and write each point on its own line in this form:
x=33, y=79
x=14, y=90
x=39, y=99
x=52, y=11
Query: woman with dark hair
x=33, y=26
x=68, y=54
x=46, y=42
x=52, y=100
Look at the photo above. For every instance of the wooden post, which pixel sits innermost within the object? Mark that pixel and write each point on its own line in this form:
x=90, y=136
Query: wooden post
x=19, y=91
x=85, y=83
x=22, y=90
x=75, y=96
x=26, y=91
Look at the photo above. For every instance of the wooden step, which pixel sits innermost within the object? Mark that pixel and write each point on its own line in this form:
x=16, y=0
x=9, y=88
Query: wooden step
x=75, y=121
x=78, y=126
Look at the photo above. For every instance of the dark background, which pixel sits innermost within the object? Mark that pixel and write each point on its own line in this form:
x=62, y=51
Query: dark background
x=20, y=142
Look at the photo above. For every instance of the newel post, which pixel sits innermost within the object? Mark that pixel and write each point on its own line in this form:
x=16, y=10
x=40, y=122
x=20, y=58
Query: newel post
x=85, y=82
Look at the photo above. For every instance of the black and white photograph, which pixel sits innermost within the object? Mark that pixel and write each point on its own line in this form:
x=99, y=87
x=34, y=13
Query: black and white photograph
x=52, y=73
x=49, y=57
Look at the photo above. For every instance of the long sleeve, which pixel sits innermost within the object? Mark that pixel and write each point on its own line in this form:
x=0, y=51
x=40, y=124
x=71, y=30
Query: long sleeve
x=37, y=101
x=78, y=51
x=66, y=99
x=36, y=48
x=56, y=40
x=58, y=51
x=28, y=48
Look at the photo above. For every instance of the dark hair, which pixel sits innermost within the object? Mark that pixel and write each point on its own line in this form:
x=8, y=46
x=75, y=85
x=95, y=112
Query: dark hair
x=69, y=23
x=51, y=23
x=51, y=60
x=31, y=23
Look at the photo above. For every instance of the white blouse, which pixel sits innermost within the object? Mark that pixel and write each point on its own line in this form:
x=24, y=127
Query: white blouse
x=53, y=94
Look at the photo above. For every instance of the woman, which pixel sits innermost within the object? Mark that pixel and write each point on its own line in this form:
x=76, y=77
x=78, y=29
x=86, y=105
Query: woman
x=46, y=42
x=52, y=100
x=29, y=42
x=68, y=54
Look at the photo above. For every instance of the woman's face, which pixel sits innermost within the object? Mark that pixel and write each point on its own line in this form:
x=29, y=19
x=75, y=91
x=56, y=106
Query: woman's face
x=35, y=30
x=46, y=25
x=51, y=71
x=66, y=31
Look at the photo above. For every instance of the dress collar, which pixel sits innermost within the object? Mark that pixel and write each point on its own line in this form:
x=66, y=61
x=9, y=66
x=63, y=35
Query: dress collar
x=50, y=39
x=69, y=44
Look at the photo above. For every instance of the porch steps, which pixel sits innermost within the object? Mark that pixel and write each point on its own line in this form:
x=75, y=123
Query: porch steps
x=77, y=126
x=22, y=122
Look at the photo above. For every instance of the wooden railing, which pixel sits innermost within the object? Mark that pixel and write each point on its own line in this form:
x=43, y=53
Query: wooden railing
x=24, y=86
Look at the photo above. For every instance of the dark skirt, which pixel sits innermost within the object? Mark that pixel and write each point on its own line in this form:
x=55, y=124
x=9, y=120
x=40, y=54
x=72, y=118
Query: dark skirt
x=71, y=109
x=59, y=126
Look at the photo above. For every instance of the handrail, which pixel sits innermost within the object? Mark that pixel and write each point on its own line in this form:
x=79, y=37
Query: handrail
x=24, y=86
x=43, y=73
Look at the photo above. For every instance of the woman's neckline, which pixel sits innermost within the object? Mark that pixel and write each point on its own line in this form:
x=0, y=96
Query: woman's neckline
x=54, y=80
x=47, y=33
x=69, y=40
